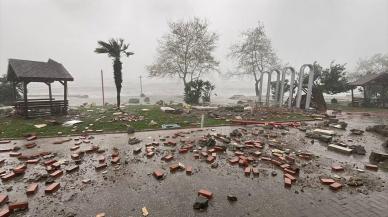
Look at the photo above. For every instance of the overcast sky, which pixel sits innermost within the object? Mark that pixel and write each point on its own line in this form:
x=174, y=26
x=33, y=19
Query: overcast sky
x=301, y=31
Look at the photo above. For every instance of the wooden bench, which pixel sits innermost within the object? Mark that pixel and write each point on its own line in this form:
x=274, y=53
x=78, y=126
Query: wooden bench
x=357, y=101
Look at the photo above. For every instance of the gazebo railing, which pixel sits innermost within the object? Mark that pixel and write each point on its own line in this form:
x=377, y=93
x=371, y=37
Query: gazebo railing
x=41, y=107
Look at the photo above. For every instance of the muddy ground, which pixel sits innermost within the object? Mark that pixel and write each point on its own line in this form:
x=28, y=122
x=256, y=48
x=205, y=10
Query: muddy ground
x=122, y=190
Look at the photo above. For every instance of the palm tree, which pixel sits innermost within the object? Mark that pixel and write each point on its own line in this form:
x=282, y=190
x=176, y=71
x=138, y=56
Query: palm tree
x=115, y=48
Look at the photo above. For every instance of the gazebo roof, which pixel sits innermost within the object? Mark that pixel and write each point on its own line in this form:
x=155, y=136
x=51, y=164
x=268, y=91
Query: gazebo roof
x=370, y=79
x=27, y=70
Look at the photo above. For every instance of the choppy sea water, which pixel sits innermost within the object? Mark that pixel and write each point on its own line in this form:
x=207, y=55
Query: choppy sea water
x=166, y=91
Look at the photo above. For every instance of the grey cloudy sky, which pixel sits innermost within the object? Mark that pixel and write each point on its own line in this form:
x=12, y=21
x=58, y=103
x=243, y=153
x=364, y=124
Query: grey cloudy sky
x=301, y=30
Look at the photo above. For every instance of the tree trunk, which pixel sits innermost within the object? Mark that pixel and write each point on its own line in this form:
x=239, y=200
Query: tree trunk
x=118, y=91
x=318, y=100
x=257, y=88
x=117, y=66
x=184, y=79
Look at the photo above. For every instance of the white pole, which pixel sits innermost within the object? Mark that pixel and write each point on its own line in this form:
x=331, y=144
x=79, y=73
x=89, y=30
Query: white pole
x=102, y=88
x=291, y=95
x=300, y=86
x=269, y=74
x=260, y=88
x=202, y=120
x=141, y=88
x=282, y=87
x=277, y=86
x=310, y=88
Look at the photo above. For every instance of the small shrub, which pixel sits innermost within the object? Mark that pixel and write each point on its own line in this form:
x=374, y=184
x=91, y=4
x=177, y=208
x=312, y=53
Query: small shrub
x=195, y=90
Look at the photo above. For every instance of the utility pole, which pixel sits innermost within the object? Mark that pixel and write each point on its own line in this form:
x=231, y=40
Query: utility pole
x=102, y=88
x=141, y=88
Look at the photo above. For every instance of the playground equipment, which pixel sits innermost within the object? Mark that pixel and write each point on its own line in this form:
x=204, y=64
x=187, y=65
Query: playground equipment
x=309, y=87
x=268, y=93
x=280, y=86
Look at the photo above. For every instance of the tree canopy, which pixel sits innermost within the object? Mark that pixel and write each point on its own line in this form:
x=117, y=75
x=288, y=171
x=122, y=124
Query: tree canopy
x=6, y=91
x=332, y=80
x=186, y=51
x=114, y=48
x=196, y=89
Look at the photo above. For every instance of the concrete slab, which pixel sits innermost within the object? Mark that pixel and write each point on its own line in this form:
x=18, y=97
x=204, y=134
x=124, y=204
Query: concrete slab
x=340, y=149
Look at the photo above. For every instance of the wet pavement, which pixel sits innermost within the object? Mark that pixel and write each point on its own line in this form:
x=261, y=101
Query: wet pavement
x=122, y=190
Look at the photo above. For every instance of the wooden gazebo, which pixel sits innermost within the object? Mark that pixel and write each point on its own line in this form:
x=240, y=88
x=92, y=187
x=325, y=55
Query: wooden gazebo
x=24, y=72
x=371, y=83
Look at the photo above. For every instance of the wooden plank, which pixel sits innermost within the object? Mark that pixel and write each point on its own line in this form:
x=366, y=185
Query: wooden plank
x=35, y=99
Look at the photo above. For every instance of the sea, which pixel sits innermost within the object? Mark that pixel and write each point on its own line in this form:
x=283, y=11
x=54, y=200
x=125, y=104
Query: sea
x=168, y=91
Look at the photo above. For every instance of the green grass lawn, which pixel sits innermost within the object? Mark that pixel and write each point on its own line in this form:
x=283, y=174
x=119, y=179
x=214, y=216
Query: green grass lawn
x=99, y=118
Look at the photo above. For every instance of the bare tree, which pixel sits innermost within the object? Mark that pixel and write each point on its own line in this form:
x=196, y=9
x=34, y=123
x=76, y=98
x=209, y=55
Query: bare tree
x=186, y=51
x=254, y=54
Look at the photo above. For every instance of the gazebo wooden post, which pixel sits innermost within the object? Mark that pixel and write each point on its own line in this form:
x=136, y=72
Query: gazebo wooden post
x=65, y=95
x=383, y=96
x=25, y=98
x=14, y=91
x=352, y=96
x=364, y=88
x=50, y=98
